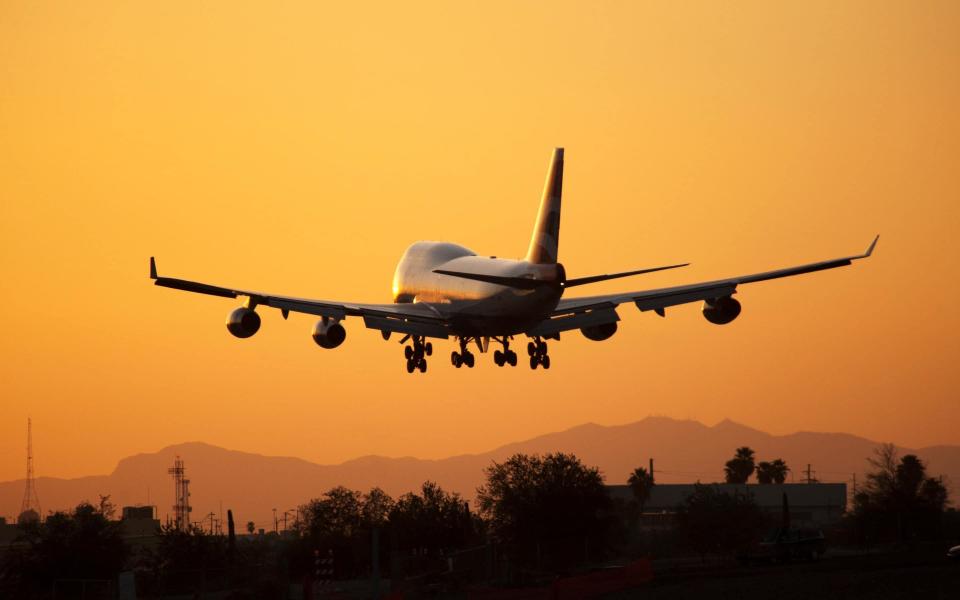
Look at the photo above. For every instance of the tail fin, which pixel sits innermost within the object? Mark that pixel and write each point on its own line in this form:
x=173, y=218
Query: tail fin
x=545, y=243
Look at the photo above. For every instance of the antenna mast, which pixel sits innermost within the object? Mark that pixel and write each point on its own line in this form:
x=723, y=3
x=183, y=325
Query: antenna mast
x=31, y=501
x=181, y=510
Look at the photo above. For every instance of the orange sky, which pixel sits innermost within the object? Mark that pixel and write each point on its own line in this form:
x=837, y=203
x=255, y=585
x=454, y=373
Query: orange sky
x=299, y=147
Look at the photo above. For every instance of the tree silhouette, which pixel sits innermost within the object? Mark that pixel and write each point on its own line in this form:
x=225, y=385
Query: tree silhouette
x=899, y=499
x=549, y=511
x=712, y=521
x=251, y=527
x=433, y=521
x=739, y=468
x=82, y=544
x=772, y=472
x=640, y=482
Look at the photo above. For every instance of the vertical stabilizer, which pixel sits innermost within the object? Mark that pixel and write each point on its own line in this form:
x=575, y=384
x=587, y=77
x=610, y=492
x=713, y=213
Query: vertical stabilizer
x=545, y=243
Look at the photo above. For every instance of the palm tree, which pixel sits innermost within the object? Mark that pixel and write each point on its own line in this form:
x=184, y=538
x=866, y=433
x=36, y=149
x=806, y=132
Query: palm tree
x=251, y=527
x=741, y=466
x=640, y=482
x=772, y=472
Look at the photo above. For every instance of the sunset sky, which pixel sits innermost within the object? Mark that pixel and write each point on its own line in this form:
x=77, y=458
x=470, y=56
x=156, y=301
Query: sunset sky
x=299, y=147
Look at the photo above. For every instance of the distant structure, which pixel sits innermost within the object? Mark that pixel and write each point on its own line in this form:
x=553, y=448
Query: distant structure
x=30, y=507
x=181, y=509
x=811, y=504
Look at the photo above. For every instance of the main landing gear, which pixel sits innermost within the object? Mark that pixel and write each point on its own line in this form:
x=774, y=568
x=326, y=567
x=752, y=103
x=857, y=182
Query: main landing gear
x=464, y=357
x=507, y=357
x=416, y=353
x=537, y=349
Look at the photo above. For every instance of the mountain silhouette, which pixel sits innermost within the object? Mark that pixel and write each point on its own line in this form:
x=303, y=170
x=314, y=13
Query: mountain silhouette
x=252, y=485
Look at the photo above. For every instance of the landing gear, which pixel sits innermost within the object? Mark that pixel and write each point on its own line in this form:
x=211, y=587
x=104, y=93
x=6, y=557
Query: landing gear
x=507, y=356
x=416, y=353
x=464, y=357
x=537, y=350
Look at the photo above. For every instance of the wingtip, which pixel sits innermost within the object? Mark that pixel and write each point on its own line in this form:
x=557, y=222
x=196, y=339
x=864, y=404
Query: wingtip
x=153, y=268
x=873, y=245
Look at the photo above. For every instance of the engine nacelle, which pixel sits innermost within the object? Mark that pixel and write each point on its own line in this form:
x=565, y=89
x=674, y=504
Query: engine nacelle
x=329, y=333
x=721, y=311
x=243, y=322
x=598, y=333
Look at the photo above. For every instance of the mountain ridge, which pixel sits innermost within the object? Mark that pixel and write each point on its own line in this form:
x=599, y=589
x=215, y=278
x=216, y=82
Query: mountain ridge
x=684, y=450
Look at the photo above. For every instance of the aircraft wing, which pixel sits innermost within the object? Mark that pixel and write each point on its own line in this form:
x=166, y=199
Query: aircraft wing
x=415, y=318
x=659, y=299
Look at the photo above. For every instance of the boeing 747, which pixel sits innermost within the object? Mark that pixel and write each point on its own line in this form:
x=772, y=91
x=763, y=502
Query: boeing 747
x=443, y=290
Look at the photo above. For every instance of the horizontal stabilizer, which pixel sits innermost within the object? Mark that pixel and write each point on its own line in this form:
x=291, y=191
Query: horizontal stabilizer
x=596, y=278
x=521, y=283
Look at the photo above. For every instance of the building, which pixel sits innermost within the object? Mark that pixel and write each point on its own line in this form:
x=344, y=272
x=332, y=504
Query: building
x=811, y=504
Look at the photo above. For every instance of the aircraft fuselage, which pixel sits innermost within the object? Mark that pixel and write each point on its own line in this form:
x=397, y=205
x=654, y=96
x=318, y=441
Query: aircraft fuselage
x=476, y=307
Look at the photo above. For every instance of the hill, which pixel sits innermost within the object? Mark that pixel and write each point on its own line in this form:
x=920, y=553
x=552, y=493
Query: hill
x=252, y=484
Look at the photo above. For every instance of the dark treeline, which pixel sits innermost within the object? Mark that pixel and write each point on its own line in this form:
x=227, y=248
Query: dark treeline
x=535, y=517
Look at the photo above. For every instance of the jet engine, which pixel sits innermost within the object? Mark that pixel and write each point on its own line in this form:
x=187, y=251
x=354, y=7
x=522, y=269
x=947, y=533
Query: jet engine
x=598, y=333
x=721, y=311
x=243, y=322
x=329, y=333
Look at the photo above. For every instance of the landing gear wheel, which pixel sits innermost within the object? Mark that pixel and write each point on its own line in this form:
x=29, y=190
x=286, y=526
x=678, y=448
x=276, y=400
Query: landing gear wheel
x=429, y=348
x=512, y=358
x=468, y=359
x=542, y=348
x=423, y=365
x=455, y=359
x=410, y=365
x=534, y=361
x=408, y=352
x=531, y=349
x=498, y=358
x=545, y=361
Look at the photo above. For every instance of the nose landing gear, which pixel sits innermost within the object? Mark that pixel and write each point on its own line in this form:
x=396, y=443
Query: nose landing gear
x=416, y=353
x=537, y=350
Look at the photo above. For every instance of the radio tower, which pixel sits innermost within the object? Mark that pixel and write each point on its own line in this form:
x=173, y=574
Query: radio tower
x=181, y=510
x=30, y=508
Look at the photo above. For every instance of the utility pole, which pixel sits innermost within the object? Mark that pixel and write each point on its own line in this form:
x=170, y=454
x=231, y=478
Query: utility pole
x=652, y=480
x=809, y=473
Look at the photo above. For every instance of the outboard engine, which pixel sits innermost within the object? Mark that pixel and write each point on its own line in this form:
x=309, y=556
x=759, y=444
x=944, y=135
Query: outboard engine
x=329, y=333
x=243, y=322
x=598, y=333
x=721, y=311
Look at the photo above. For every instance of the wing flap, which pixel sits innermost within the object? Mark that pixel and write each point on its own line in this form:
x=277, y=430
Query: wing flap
x=407, y=327
x=576, y=321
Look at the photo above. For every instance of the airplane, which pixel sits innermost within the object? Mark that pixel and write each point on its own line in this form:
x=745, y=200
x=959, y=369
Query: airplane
x=443, y=290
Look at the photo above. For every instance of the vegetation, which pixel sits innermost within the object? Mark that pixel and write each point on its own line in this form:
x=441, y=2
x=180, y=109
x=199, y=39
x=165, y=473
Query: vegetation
x=715, y=522
x=640, y=482
x=82, y=544
x=899, y=501
x=772, y=472
x=549, y=512
x=739, y=468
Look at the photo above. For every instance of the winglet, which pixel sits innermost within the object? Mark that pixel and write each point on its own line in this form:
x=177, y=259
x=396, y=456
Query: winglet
x=873, y=245
x=153, y=268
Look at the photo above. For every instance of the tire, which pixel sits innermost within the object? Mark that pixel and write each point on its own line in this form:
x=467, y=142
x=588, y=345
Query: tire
x=543, y=348
x=423, y=365
x=512, y=358
x=531, y=349
x=468, y=360
x=453, y=358
x=410, y=366
x=408, y=352
x=534, y=361
x=498, y=358
x=429, y=348
x=546, y=362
